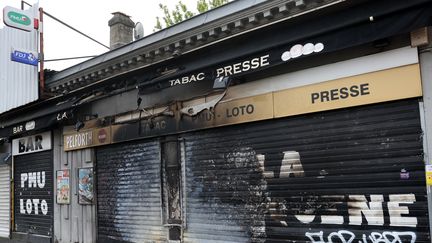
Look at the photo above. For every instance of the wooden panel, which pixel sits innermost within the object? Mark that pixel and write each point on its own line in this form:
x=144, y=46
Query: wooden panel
x=73, y=222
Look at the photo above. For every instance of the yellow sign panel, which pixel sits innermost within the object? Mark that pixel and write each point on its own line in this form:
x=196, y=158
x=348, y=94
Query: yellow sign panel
x=249, y=109
x=429, y=175
x=386, y=85
x=393, y=84
x=86, y=139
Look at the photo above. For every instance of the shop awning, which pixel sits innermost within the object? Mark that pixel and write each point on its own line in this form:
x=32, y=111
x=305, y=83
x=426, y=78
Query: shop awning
x=38, y=119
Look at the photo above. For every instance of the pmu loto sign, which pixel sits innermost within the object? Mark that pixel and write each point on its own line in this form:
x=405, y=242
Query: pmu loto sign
x=18, y=19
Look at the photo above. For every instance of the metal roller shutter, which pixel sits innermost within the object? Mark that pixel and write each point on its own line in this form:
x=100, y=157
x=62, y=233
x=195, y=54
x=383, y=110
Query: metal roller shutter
x=4, y=201
x=350, y=175
x=33, y=197
x=129, y=193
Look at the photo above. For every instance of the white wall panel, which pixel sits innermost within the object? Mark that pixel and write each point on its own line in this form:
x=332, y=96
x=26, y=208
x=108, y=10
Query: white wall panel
x=4, y=201
x=18, y=81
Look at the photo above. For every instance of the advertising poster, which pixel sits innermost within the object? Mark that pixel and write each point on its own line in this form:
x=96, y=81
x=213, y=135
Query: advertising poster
x=63, y=187
x=85, y=186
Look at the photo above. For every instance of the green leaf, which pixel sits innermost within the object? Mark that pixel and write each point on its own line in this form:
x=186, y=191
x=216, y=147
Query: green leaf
x=181, y=12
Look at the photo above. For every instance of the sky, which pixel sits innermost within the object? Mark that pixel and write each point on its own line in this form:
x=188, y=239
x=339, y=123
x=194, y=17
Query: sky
x=90, y=17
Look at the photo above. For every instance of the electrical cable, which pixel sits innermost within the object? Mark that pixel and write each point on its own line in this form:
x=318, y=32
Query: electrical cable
x=68, y=58
x=63, y=23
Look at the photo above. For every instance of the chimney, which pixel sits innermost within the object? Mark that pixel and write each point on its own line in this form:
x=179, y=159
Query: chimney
x=121, y=30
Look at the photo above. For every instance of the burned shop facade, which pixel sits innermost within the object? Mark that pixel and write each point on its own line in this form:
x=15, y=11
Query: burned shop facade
x=315, y=140
x=255, y=130
x=337, y=160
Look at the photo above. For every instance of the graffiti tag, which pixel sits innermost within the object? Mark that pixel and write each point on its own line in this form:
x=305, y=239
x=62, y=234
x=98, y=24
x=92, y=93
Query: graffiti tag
x=345, y=236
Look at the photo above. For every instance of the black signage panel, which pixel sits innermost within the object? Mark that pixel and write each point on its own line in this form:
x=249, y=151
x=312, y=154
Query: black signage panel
x=146, y=128
x=33, y=193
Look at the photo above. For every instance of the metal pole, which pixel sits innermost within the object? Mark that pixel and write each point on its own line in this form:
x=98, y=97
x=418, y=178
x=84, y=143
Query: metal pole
x=25, y=3
x=425, y=58
x=41, y=63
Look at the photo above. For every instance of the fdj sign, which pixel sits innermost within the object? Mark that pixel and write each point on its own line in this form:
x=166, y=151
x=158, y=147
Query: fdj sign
x=24, y=57
x=17, y=18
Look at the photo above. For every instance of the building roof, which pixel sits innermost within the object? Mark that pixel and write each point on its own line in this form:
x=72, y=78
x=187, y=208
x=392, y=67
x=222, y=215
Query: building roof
x=219, y=24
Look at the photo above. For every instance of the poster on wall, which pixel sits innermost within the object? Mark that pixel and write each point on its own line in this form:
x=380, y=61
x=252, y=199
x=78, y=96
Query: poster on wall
x=63, y=186
x=85, y=186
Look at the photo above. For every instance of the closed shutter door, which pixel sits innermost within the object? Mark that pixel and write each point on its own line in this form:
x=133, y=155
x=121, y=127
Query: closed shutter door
x=4, y=201
x=129, y=193
x=350, y=175
x=33, y=196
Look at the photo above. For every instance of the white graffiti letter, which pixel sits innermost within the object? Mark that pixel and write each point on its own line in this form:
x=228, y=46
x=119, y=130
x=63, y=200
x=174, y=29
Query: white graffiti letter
x=22, y=210
x=291, y=164
x=341, y=236
x=305, y=219
x=312, y=236
x=41, y=179
x=372, y=211
x=396, y=210
x=36, y=206
x=24, y=178
x=345, y=236
x=32, y=180
x=261, y=161
x=44, y=207
x=29, y=206
x=333, y=219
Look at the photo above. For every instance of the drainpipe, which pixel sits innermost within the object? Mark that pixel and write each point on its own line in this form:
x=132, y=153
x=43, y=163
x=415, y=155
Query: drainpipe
x=41, y=56
x=425, y=59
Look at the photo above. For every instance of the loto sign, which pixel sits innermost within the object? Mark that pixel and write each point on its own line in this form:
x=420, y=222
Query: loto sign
x=17, y=18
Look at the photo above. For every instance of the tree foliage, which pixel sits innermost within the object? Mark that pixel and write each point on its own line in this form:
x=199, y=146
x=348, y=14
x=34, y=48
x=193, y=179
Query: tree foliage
x=181, y=12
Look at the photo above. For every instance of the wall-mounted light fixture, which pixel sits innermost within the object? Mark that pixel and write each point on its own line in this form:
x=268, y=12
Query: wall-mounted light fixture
x=79, y=125
x=139, y=100
x=222, y=82
x=5, y=158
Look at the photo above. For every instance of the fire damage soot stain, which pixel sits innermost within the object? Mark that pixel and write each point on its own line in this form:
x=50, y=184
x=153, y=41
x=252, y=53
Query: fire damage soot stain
x=240, y=190
x=251, y=183
x=231, y=112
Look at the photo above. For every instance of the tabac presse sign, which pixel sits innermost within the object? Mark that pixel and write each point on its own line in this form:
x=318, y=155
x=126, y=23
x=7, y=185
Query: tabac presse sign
x=17, y=18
